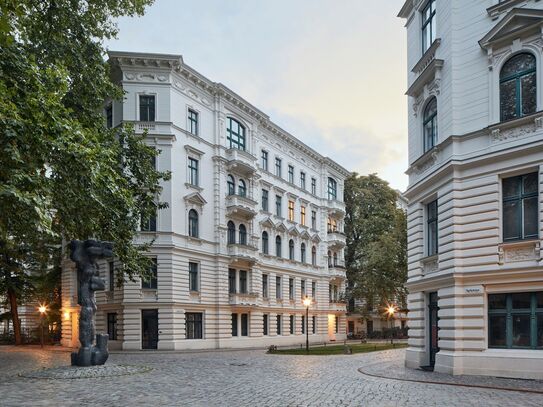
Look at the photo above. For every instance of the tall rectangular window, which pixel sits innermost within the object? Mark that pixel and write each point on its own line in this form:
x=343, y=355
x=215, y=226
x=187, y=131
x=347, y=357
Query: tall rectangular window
x=231, y=281
x=291, y=325
x=109, y=116
x=193, y=171
x=264, y=285
x=278, y=324
x=264, y=160
x=112, y=326
x=337, y=324
x=428, y=25
x=193, y=325
x=302, y=286
x=244, y=324
x=431, y=226
x=302, y=180
x=520, y=207
x=243, y=281
x=150, y=282
x=278, y=287
x=303, y=324
x=314, y=220
x=291, y=288
x=236, y=134
x=313, y=289
x=278, y=205
x=234, y=324
x=314, y=186
x=332, y=189
x=265, y=324
x=148, y=224
x=278, y=166
x=291, y=211
x=314, y=324
x=111, y=272
x=291, y=174
x=147, y=108
x=302, y=215
x=193, y=276
x=193, y=122
x=265, y=200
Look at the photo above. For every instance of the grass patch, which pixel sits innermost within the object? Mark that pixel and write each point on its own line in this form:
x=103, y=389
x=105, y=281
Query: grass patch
x=339, y=349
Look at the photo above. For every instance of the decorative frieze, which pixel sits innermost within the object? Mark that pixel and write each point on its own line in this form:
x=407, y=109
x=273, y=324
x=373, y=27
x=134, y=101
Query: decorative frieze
x=519, y=252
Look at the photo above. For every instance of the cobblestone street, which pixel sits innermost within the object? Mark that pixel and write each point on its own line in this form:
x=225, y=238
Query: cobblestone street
x=237, y=378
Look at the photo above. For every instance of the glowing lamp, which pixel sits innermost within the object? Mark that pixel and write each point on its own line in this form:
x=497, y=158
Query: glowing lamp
x=307, y=301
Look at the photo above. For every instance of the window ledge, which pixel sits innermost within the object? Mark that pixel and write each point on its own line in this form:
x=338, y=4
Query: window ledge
x=195, y=240
x=195, y=187
x=519, y=251
x=515, y=128
x=427, y=57
x=430, y=264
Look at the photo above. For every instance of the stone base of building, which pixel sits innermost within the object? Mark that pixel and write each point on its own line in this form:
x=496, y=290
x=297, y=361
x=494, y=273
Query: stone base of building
x=415, y=358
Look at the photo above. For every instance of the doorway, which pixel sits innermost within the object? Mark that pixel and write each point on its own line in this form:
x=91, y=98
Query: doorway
x=433, y=327
x=149, y=328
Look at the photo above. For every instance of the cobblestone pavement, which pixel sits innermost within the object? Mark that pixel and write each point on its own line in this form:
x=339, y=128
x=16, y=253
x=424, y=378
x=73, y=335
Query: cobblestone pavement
x=236, y=378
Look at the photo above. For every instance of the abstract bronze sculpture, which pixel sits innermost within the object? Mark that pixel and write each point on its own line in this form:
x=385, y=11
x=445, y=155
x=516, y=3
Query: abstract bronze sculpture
x=85, y=254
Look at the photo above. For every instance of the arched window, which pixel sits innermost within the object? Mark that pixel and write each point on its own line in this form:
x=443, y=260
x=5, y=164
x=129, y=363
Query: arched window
x=193, y=223
x=265, y=242
x=231, y=185
x=291, y=249
x=329, y=258
x=302, y=252
x=429, y=124
x=242, y=234
x=242, y=189
x=231, y=238
x=335, y=259
x=236, y=134
x=332, y=189
x=314, y=256
x=518, y=87
x=278, y=246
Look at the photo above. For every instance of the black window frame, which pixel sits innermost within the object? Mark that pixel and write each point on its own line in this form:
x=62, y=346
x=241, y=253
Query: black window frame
x=314, y=186
x=147, y=110
x=521, y=198
x=194, y=324
x=302, y=180
x=278, y=169
x=265, y=288
x=518, y=77
x=278, y=287
x=193, y=172
x=151, y=283
x=243, y=281
x=278, y=244
x=429, y=117
x=244, y=324
x=234, y=324
x=194, y=284
x=265, y=327
x=428, y=25
x=291, y=174
x=291, y=288
x=112, y=325
x=278, y=206
x=230, y=185
x=194, y=226
x=111, y=275
x=242, y=232
x=332, y=189
x=236, y=137
x=232, y=281
x=193, y=122
x=231, y=232
x=265, y=243
x=432, y=234
x=264, y=160
x=265, y=200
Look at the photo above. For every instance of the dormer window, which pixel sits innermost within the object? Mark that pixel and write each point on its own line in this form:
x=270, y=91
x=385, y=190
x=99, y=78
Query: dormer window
x=429, y=124
x=428, y=25
x=518, y=87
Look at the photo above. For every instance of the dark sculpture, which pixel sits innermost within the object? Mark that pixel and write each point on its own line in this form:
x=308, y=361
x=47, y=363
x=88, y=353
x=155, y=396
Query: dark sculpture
x=85, y=254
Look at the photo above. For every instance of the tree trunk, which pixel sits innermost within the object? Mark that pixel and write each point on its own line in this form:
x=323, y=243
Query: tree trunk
x=15, y=316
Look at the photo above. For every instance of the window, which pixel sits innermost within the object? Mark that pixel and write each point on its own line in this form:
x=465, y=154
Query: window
x=431, y=214
x=291, y=249
x=278, y=204
x=332, y=189
x=265, y=243
x=231, y=185
x=234, y=324
x=335, y=259
x=291, y=325
x=515, y=320
x=332, y=225
x=193, y=325
x=291, y=211
x=242, y=188
x=314, y=256
x=302, y=252
x=429, y=124
x=278, y=166
x=193, y=122
x=264, y=160
x=291, y=174
x=265, y=324
x=193, y=223
x=242, y=234
x=236, y=134
x=264, y=286
x=278, y=322
x=243, y=281
x=314, y=220
x=244, y=324
x=302, y=215
x=147, y=108
x=302, y=180
x=520, y=208
x=291, y=288
x=193, y=171
x=148, y=224
x=303, y=324
x=278, y=246
x=337, y=324
x=313, y=325
x=150, y=281
x=265, y=200
x=428, y=25
x=302, y=289
x=314, y=186
x=278, y=287
x=109, y=117
x=231, y=235
x=231, y=281
x=329, y=258
x=111, y=272
x=193, y=276
x=313, y=289
x=112, y=326
x=518, y=87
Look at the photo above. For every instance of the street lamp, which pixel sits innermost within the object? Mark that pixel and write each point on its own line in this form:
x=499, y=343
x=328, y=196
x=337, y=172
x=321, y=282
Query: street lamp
x=43, y=309
x=307, y=303
x=391, y=309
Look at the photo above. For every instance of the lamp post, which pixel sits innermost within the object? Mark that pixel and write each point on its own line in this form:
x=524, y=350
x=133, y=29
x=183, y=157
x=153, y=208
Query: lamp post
x=307, y=303
x=43, y=309
x=391, y=309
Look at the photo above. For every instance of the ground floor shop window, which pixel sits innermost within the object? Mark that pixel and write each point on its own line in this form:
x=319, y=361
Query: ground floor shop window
x=515, y=320
x=193, y=325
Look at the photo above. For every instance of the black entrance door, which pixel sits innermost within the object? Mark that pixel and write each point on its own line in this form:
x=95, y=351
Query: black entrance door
x=433, y=328
x=149, y=328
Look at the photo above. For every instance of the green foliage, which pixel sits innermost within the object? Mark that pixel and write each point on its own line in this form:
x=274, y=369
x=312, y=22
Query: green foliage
x=376, y=253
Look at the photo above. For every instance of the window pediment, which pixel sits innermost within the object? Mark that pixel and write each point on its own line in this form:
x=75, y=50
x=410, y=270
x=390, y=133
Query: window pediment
x=195, y=198
x=516, y=23
x=267, y=223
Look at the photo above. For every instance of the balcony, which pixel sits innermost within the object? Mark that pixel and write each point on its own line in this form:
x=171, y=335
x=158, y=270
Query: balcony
x=336, y=238
x=240, y=162
x=243, y=299
x=242, y=253
x=337, y=270
x=155, y=128
x=240, y=206
x=336, y=208
x=336, y=305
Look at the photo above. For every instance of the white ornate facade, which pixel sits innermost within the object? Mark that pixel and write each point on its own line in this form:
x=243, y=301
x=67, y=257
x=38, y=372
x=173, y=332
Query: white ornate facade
x=475, y=197
x=265, y=229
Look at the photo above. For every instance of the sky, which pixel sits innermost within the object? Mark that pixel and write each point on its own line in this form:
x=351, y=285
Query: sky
x=330, y=72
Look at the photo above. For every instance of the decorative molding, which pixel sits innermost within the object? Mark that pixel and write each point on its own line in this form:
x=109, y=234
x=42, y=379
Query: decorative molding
x=195, y=198
x=519, y=251
x=517, y=23
x=193, y=151
x=432, y=72
x=430, y=264
x=427, y=58
x=521, y=128
x=426, y=161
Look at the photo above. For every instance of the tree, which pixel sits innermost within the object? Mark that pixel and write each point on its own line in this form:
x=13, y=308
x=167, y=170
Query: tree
x=376, y=252
x=63, y=173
